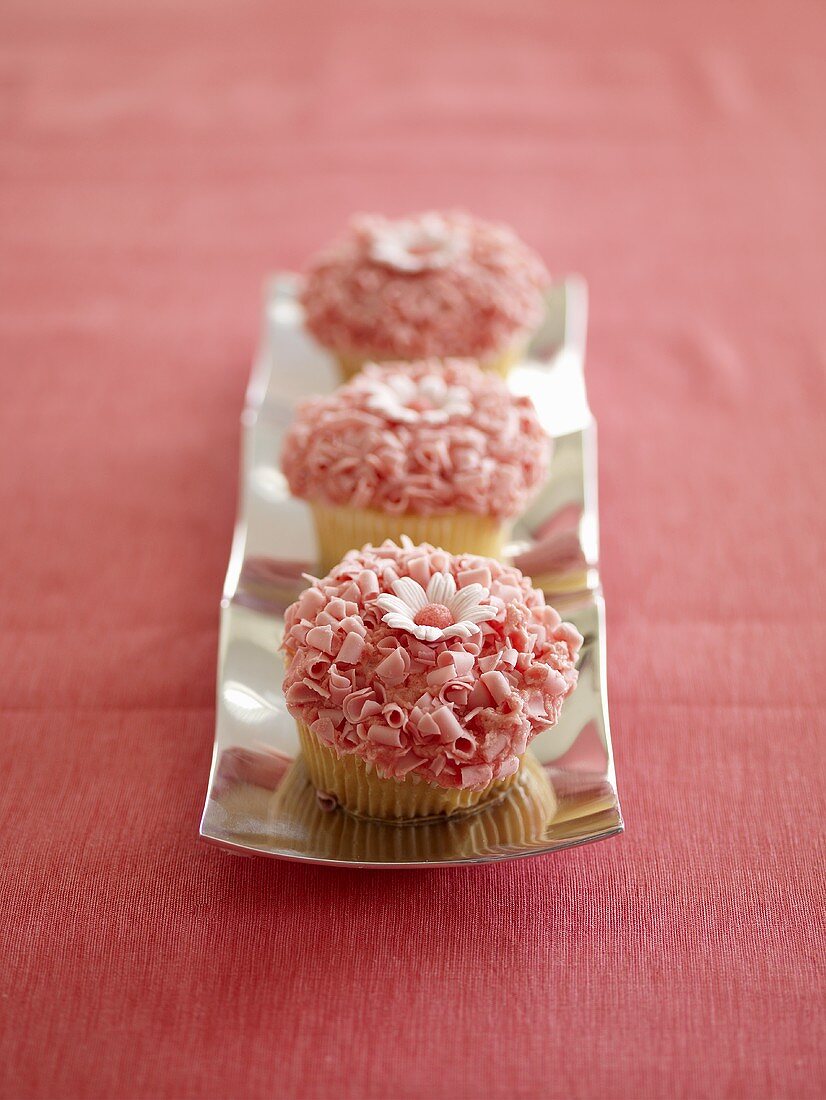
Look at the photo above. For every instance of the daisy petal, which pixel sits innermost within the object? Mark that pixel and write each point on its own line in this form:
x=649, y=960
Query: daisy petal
x=392, y=603
x=441, y=589
x=471, y=596
x=411, y=592
x=480, y=614
x=401, y=622
x=404, y=387
x=460, y=630
x=426, y=633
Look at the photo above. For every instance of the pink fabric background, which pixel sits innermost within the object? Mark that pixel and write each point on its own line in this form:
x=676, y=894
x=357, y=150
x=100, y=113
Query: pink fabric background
x=157, y=159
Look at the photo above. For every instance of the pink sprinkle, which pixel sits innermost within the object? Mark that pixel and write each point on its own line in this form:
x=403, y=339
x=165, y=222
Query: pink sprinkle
x=454, y=691
x=394, y=668
x=479, y=696
x=462, y=662
x=335, y=715
x=419, y=570
x=368, y=582
x=312, y=600
x=385, y=735
x=393, y=715
x=318, y=686
x=298, y=633
x=428, y=726
x=535, y=706
x=537, y=675
x=324, y=730
x=351, y=649
x=497, y=685
x=569, y=634
x=481, y=575
x=508, y=767
x=318, y=665
x=406, y=763
x=488, y=664
x=351, y=593
x=440, y=676
x=494, y=746
x=477, y=775
x=449, y=728
x=299, y=695
x=353, y=625
x=360, y=705
x=556, y=681
x=321, y=637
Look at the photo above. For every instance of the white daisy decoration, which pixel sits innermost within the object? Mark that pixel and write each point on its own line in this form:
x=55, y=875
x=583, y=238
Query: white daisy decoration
x=415, y=244
x=405, y=400
x=440, y=612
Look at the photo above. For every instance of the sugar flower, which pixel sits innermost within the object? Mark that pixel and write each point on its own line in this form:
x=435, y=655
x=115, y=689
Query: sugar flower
x=415, y=244
x=405, y=399
x=439, y=612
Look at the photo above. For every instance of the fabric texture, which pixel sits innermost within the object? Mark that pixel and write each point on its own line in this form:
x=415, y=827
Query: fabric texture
x=157, y=160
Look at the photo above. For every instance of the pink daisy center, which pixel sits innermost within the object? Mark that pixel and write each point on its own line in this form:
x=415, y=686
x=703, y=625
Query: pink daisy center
x=434, y=614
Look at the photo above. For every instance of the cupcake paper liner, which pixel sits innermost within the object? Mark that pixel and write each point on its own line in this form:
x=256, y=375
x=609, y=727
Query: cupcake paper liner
x=343, y=529
x=360, y=791
x=350, y=365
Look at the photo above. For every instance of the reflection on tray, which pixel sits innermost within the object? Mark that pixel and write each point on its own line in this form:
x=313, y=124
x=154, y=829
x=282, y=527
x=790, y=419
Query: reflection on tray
x=262, y=799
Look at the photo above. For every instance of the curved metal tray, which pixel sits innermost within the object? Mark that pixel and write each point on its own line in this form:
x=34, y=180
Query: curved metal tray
x=259, y=800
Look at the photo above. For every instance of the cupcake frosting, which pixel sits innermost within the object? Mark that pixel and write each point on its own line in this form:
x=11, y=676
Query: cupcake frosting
x=434, y=284
x=427, y=438
x=427, y=664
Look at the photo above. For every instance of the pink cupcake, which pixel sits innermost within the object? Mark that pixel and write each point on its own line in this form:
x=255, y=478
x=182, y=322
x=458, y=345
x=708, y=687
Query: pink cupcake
x=418, y=679
x=437, y=450
x=431, y=285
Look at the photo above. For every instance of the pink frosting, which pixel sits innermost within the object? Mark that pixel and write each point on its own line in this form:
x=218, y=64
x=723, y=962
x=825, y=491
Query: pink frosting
x=488, y=291
x=486, y=458
x=458, y=711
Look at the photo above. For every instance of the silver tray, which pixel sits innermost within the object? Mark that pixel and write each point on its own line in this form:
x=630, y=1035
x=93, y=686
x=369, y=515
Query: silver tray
x=259, y=800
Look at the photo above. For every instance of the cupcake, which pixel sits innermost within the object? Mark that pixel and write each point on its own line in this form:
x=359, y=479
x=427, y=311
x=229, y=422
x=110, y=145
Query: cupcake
x=439, y=451
x=431, y=285
x=417, y=679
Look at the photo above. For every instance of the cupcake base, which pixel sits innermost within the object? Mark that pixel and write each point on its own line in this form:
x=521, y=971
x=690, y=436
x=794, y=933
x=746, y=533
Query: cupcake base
x=515, y=823
x=349, y=365
x=343, y=529
x=361, y=792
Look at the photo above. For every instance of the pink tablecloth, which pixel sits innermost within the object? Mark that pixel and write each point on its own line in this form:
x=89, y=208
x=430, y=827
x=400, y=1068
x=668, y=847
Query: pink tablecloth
x=157, y=159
